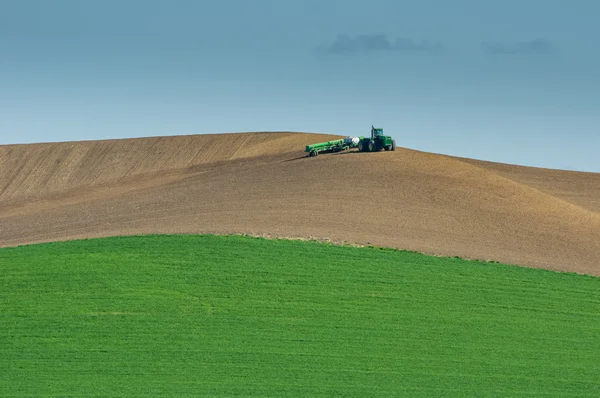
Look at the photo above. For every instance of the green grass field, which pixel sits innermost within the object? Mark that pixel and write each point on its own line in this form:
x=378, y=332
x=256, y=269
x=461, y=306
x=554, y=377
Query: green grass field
x=209, y=315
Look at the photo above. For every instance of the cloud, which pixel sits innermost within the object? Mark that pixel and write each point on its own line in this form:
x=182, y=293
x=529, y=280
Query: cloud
x=532, y=47
x=345, y=44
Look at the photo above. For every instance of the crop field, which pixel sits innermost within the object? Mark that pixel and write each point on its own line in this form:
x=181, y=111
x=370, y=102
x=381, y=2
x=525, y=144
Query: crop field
x=225, y=315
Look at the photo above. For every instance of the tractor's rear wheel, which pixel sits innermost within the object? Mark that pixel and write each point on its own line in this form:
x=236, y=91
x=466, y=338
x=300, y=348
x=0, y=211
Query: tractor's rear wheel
x=361, y=147
x=393, y=145
x=371, y=146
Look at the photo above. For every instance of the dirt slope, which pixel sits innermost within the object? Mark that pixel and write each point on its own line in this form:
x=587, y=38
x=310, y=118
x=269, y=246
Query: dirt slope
x=261, y=183
x=39, y=169
x=579, y=188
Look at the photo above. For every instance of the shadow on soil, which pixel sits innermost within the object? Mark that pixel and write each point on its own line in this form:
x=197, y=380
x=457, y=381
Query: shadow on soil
x=334, y=154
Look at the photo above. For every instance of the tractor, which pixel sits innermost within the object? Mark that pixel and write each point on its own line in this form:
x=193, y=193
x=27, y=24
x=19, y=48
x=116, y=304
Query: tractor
x=377, y=142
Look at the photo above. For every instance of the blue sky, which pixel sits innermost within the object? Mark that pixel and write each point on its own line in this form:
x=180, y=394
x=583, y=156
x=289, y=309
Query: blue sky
x=509, y=81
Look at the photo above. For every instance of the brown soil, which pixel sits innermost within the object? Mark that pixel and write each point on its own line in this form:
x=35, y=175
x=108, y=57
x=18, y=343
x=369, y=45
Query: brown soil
x=262, y=183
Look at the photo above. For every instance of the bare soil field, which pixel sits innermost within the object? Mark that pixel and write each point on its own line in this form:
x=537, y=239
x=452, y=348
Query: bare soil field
x=262, y=183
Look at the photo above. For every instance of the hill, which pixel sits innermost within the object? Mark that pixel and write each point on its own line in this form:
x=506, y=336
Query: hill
x=223, y=316
x=261, y=183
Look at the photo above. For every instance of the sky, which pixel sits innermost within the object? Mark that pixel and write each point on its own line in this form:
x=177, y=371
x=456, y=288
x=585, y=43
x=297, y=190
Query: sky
x=514, y=81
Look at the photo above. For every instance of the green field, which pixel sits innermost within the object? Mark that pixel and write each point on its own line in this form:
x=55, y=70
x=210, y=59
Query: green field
x=209, y=315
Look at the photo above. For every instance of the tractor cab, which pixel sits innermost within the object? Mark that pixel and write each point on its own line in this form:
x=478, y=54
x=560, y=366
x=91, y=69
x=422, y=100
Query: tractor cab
x=376, y=132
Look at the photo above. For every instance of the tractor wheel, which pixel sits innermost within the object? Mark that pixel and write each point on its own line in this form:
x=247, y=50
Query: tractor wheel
x=393, y=145
x=361, y=146
x=371, y=146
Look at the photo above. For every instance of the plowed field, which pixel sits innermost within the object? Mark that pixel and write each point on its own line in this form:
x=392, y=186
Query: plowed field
x=261, y=183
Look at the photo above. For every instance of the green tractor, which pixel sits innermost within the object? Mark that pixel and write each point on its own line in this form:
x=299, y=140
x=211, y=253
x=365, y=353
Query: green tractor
x=377, y=142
